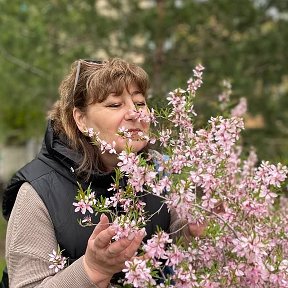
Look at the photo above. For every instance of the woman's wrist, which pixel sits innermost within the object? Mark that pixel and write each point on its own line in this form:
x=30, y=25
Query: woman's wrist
x=98, y=279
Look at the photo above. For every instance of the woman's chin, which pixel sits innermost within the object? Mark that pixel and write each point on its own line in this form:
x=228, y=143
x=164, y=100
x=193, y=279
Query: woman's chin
x=134, y=145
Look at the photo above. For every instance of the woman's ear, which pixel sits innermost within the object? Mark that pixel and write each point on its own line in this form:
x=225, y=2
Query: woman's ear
x=80, y=120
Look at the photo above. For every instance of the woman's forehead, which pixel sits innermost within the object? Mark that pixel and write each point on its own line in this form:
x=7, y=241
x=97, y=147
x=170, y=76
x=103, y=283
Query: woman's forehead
x=120, y=87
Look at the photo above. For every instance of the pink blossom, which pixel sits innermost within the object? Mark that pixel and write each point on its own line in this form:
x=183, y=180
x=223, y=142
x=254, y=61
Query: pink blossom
x=174, y=256
x=164, y=137
x=246, y=245
x=155, y=247
x=124, y=226
x=138, y=273
x=90, y=132
x=83, y=207
x=58, y=261
x=185, y=277
x=240, y=109
x=195, y=83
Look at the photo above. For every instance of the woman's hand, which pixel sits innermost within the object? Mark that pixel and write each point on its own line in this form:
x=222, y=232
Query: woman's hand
x=197, y=229
x=102, y=258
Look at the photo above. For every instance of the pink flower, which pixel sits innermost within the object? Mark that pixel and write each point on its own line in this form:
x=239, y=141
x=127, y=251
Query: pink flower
x=240, y=109
x=155, y=247
x=58, y=261
x=128, y=162
x=124, y=226
x=185, y=277
x=174, y=256
x=138, y=273
x=164, y=137
x=195, y=83
x=244, y=247
x=83, y=206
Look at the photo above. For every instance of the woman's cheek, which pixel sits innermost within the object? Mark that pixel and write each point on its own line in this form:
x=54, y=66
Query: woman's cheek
x=146, y=126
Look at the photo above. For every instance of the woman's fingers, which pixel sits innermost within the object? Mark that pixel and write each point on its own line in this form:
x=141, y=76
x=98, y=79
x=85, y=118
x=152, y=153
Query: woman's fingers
x=101, y=226
x=135, y=244
x=131, y=251
x=127, y=246
x=119, y=246
x=117, y=252
x=197, y=230
x=106, y=256
x=104, y=238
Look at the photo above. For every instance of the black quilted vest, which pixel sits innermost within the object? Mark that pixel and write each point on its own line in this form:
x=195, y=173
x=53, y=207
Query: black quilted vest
x=51, y=175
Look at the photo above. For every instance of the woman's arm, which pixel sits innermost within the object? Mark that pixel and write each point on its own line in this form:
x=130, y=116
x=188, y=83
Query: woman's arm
x=30, y=238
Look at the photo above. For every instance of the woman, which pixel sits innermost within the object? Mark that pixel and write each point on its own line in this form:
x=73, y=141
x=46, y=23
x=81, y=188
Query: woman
x=102, y=96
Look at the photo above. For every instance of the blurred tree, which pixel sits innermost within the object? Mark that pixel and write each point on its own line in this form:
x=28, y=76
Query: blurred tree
x=244, y=41
x=37, y=41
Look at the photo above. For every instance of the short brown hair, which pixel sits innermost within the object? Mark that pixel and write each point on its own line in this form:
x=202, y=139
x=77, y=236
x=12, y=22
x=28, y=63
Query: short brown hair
x=95, y=81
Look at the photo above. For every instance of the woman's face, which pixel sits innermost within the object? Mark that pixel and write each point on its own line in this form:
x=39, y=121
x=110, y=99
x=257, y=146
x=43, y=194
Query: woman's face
x=114, y=113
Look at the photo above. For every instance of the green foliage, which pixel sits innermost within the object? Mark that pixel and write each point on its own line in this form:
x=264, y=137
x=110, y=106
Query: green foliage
x=2, y=266
x=3, y=224
x=244, y=41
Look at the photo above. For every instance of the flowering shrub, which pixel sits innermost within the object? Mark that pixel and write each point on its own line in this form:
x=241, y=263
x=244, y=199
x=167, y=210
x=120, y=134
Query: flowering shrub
x=203, y=176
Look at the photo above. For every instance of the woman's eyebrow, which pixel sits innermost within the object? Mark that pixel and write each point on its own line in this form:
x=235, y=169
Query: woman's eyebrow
x=112, y=94
x=135, y=92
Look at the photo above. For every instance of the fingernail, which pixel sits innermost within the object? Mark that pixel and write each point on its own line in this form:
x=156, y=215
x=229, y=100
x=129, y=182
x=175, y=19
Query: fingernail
x=112, y=229
x=142, y=232
x=102, y=217
x=131, y=236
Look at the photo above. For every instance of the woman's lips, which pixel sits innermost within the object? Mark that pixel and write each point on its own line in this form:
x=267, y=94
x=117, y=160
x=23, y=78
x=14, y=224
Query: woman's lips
x=135, y=133
x=134, y=130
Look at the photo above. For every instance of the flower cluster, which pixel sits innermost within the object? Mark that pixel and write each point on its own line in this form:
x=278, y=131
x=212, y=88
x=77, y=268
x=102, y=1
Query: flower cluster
x=202, y=175
x=58, y=262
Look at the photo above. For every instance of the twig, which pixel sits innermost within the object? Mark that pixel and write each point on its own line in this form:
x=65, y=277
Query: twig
x=219, y=217
x=179, y=229
x=158, y=211
x=22, y=64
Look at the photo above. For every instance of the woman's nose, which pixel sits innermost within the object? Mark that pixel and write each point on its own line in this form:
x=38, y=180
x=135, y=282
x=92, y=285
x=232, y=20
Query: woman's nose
x=131, y=114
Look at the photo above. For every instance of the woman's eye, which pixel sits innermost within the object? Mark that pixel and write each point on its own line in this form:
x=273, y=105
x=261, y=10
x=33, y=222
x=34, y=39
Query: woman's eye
x=114, y=105
x=140, y=104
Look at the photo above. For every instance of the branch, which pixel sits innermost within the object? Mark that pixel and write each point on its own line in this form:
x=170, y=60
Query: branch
x=219, y=217
x=22, y=64
x=157, y=211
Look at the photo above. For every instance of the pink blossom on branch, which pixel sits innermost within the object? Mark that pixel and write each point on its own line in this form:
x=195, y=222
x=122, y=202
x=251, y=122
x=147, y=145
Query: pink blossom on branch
x=246, y=241
x=138, y=273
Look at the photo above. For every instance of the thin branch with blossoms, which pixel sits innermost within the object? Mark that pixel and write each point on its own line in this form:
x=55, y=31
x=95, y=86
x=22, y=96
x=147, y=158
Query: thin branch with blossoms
x=245, y=246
